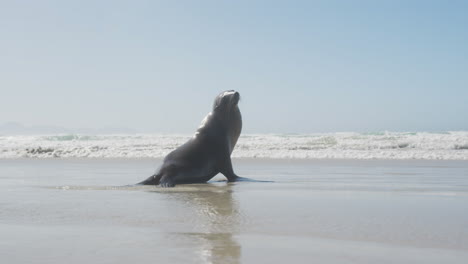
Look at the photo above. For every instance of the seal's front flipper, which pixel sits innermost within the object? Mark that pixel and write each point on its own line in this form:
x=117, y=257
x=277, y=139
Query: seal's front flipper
x=243, y=179
x=227, y=170
x=238, y=178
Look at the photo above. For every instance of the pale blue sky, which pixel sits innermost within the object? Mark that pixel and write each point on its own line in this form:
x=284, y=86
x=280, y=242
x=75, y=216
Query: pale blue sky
x=300, y=66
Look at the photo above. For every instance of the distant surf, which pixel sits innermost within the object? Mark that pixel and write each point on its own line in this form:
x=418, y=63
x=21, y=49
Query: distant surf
x=451, y=145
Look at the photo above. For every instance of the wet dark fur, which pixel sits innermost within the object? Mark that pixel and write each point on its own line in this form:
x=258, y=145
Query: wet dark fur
x=209, y=151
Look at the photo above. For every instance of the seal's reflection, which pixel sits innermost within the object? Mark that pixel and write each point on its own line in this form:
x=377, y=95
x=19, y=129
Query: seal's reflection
x=216, y=218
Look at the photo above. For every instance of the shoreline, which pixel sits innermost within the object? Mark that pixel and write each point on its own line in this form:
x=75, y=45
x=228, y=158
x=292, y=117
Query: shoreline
x=243, y=159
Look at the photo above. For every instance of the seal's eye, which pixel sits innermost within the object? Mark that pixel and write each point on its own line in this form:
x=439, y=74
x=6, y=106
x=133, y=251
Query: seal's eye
x=222, y=101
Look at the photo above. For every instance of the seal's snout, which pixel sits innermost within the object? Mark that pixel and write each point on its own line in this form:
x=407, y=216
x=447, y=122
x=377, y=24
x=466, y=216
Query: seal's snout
x=235, y=98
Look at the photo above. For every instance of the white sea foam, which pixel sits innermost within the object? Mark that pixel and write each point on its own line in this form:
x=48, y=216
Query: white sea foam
x=387, y=145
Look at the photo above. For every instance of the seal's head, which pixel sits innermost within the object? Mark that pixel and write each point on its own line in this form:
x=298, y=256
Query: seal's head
x=226, y=101
x=226, y=111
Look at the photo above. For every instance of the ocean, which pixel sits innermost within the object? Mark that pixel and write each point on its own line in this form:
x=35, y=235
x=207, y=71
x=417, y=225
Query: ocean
x=452, y=145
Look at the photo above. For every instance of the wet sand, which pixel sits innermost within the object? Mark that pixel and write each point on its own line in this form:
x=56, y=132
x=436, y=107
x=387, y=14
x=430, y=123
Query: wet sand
x=325, y=211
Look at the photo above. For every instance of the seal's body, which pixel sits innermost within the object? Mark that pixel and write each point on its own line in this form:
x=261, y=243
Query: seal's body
x=208, y=152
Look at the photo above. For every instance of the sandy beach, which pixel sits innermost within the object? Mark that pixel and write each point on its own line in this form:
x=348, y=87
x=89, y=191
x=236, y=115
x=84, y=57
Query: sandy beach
x=348, y=119
x=322, y=211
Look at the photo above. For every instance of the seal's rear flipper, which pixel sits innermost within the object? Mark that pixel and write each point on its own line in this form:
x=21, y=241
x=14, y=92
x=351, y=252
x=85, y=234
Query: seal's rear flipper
x=153, y=180
x=167, y=182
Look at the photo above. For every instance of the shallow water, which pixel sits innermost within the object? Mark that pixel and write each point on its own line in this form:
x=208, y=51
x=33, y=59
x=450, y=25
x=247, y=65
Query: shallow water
x=333, y=211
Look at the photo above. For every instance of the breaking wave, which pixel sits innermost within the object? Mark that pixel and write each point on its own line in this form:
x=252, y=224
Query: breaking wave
x=384, y=145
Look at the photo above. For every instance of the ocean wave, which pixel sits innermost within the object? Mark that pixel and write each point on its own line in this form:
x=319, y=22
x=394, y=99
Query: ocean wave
x=381, y=145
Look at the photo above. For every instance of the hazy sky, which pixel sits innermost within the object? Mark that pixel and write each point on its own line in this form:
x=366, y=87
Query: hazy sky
x=300, y=66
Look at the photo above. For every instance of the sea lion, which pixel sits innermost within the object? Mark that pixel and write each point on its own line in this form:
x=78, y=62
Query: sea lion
x=208, y=152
